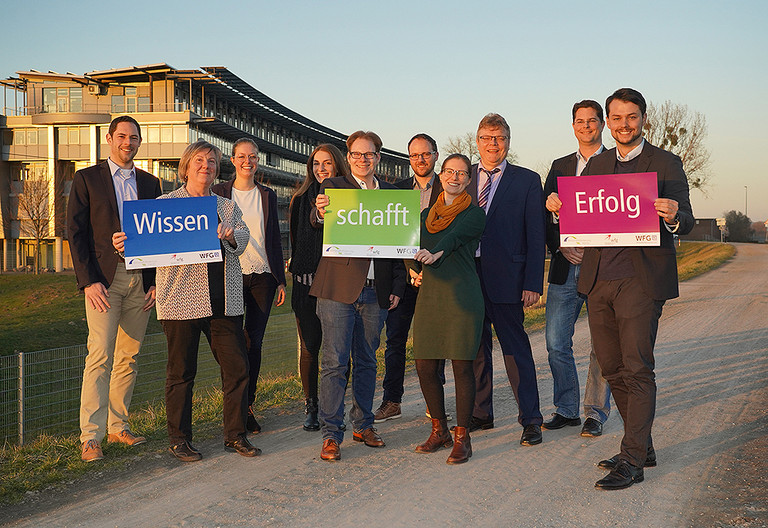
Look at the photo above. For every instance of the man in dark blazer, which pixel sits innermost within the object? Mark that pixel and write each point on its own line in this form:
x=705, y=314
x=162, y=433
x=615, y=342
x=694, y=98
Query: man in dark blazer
x=626, y=287
x=117, y=301
x=563, y=300
x=422, y=151
x=353, y=297
x=259, y=285
x=510, y=262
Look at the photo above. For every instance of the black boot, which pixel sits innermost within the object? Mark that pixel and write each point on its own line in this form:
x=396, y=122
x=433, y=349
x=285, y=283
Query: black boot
x=310, y=409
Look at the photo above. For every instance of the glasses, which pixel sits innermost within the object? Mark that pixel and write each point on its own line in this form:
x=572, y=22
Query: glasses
x=425, y=156
x=459, y=173
x=366, y=155
x=581, y=122
x=243, y=157
x=489, y=139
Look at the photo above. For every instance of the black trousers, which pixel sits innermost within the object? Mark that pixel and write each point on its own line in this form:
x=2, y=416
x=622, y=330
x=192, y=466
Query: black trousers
x=259, y=293
x=310, y=336
x=623, y=321
x=225, y=335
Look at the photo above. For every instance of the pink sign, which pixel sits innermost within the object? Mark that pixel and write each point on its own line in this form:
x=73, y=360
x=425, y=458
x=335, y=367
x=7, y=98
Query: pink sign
x=610, y=210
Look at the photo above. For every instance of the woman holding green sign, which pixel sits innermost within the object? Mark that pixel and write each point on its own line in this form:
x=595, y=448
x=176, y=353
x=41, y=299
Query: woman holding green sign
x=449, y=312
x=326, y=161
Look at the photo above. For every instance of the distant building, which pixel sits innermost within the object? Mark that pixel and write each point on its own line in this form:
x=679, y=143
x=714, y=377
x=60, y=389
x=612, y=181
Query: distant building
x=54, y=124
x=704, y=229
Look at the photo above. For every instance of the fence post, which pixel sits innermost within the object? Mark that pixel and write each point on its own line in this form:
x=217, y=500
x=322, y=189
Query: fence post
x=21, y=398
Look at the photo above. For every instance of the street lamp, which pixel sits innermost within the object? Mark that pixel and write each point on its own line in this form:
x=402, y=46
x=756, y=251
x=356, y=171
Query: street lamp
x=746, y=213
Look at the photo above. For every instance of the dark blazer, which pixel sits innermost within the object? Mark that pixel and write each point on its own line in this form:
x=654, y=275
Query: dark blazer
x=437, y=187
x=92, y=218
x=272, y=240
x=559, y=265
x=513, y=243
x=342, y=279
x=656, y=267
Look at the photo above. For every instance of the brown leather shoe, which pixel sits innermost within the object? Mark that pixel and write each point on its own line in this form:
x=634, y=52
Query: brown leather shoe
x=369, y=436
x=462, y=446
x=126, y=437
x=91, y=451
x=440, y=437
x=330, y=450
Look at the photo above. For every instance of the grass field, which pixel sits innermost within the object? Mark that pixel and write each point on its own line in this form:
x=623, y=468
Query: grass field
x=37, y=312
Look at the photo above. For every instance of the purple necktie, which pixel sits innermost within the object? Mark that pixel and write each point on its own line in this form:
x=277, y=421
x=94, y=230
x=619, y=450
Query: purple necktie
x=482, y=198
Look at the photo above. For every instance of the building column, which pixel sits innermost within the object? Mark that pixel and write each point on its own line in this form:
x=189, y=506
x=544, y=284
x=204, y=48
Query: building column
x=58, y=256
x=6, y=258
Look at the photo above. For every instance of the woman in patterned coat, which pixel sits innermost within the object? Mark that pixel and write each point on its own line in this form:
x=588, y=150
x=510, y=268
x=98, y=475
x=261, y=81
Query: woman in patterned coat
x=207, y=298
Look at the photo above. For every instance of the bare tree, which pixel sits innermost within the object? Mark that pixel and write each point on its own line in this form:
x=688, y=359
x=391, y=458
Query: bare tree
x=681, y=131
x=34, y=207
x=466, y=144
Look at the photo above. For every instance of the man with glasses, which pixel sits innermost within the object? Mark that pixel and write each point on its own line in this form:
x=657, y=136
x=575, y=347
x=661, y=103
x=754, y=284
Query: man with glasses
x=563, y=301
x=353, y=297
x=422, y=151
x=510, y=262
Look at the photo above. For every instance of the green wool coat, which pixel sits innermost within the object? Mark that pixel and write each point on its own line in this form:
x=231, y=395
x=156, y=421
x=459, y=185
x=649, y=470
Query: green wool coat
x=449, y=313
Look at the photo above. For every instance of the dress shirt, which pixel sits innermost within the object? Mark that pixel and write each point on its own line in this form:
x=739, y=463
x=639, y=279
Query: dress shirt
x=426, y=192
x=254, y=258
x=581, y=163
x=362, y=185
x=124, y=181
x=482, y=177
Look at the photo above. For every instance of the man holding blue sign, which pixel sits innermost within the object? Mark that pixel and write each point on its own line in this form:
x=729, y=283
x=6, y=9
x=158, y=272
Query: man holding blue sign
x=353, y=296
x=117, y=301
x=626, y=287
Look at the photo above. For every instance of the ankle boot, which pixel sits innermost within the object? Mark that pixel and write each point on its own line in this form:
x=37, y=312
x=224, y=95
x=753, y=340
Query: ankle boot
x=462, y=447
x=310, y=409
x=440, y=437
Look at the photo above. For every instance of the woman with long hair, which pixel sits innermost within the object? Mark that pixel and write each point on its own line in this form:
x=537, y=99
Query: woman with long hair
x=326, y=161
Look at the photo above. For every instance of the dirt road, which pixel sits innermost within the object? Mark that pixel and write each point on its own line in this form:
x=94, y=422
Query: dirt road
x=710, y=434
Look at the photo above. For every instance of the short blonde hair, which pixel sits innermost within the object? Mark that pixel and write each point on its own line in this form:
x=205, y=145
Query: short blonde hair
x=193, y=149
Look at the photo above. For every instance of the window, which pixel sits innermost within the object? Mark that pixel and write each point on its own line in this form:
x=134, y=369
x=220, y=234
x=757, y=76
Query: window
x=62, y=100
x=49, y=100
x=180, y=134
x=118, y=104
x=144, y=105
x=75, y=99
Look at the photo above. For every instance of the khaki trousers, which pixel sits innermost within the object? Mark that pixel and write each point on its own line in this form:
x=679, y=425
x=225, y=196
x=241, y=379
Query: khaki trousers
x=114, y=339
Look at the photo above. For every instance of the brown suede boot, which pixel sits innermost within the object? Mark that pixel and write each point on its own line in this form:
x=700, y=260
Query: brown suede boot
x=440, y=437
x=462, y=447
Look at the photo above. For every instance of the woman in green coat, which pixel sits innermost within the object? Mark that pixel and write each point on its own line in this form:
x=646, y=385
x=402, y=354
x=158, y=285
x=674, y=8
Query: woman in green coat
x=449, y=311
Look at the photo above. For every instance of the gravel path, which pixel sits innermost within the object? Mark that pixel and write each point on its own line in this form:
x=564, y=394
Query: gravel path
x=710, y=435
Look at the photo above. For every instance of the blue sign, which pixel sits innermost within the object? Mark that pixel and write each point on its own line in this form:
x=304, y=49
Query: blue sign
x=171, y=232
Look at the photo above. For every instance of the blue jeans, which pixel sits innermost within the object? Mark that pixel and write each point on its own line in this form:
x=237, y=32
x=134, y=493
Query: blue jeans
x=563, y=307
x=349, y=330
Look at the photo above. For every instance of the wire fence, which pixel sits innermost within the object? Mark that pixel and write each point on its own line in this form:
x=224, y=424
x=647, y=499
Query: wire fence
x=40, y=391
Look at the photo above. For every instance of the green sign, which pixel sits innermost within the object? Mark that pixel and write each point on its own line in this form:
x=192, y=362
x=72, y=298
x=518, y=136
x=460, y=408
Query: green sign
x=381, y=223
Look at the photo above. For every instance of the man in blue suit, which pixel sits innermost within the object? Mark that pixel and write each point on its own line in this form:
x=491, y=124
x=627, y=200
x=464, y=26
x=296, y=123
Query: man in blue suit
x=510, y=263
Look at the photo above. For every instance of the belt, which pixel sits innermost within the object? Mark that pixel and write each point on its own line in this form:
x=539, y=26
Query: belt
x=370, y=283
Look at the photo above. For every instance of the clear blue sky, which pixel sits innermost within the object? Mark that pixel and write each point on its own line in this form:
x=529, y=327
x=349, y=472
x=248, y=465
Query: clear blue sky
x=402, y=67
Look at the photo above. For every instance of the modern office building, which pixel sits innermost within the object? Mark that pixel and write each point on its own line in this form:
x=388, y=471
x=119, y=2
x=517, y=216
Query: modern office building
x=54, y=124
